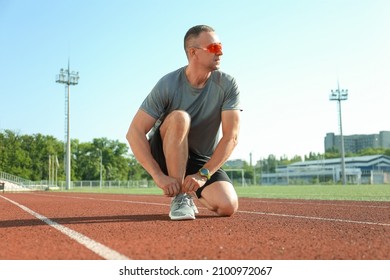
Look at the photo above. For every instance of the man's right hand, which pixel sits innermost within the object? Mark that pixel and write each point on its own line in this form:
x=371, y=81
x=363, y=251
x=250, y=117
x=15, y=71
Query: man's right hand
x=169, y=185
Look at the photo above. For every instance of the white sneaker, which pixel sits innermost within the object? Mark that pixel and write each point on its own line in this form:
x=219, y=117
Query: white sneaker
x=183, y=208
x=192, y=195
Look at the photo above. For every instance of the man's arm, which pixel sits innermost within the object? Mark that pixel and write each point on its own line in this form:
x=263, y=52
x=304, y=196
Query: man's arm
x=229, y=140
x=136, y=136
x=225, y=147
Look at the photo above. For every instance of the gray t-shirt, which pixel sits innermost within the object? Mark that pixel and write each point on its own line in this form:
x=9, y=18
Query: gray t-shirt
x=174, y=92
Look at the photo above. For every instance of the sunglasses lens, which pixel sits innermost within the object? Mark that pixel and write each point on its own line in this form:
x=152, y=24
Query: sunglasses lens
x=215, y=48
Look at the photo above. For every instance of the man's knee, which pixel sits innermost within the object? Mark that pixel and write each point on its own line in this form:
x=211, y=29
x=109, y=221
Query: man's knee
x=177, y=122
x=227, y=208
x=179, y=117
x=221, y=198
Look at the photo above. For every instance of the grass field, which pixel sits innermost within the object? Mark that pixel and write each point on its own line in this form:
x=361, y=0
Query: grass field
x=322, y=192
x=328, y=192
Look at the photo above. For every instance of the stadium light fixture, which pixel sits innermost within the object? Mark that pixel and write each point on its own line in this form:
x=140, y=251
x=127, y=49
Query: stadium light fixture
x=69, y=79
x=340, y=95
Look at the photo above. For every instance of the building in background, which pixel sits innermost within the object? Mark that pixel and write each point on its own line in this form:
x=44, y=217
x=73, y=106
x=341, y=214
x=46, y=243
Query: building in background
x=356, y=143
x=359, y=170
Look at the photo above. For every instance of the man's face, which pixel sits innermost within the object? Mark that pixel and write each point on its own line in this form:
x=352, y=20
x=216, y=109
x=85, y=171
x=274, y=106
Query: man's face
x=208, y=50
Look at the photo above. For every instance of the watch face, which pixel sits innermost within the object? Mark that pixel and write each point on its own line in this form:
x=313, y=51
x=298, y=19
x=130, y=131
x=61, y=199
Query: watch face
x=205, y=172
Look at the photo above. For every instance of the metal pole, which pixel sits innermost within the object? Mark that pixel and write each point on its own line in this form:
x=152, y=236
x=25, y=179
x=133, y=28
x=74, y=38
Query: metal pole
x=101, y=167
x=339, y=95
x=344, y=179
x=68, y=78
x=68, y=163
x=48, y=183
x=253, y=169
x=56, y=169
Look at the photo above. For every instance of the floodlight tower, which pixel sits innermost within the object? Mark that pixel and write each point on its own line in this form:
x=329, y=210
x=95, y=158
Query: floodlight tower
x=340, y=95
x=70, y=79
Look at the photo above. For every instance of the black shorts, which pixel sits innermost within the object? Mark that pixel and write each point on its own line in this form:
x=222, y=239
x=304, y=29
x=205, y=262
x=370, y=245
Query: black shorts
x=194, y=163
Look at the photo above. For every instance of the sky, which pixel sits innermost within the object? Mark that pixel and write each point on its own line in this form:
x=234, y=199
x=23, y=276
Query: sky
x=286, y=56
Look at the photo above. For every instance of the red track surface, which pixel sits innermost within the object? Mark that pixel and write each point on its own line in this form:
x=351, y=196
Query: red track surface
x=138, y=227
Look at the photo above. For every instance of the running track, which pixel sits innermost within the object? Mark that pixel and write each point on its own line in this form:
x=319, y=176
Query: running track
x=75, y=226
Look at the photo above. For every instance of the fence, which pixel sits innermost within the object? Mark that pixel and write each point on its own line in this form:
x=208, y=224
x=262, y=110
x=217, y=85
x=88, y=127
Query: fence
x=108, y=184
x=15, y=183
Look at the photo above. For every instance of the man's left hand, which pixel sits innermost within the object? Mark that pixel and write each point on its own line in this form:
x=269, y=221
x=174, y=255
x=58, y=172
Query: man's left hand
x=193, y=182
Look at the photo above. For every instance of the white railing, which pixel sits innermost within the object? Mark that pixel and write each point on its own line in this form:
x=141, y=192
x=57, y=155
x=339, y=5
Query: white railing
x=15, y=183
x=108, y=184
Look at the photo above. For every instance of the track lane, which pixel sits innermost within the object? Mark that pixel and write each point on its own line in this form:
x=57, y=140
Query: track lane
x=96, y=247
x=139, y=227
x=24, y=237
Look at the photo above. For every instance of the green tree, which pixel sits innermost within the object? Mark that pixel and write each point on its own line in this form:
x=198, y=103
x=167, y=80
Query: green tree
x=112, y=154
x=135, y=170
x=27, y=156
x=372, y=151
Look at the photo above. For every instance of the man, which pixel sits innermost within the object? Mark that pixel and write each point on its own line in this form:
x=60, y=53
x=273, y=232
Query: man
x=175, y=133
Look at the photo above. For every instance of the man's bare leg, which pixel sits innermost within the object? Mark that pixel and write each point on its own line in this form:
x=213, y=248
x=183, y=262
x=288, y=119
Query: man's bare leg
x=221, y=198
x=174, y=133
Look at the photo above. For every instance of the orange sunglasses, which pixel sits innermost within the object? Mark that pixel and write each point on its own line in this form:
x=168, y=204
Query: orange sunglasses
x=215, y=48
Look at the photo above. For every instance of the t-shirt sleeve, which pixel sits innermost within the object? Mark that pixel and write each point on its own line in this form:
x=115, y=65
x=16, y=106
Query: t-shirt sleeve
x=232, y=97
x=154, y=103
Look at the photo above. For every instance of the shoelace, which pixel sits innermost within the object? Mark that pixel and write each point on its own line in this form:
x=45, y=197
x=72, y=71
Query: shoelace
x=183, y=199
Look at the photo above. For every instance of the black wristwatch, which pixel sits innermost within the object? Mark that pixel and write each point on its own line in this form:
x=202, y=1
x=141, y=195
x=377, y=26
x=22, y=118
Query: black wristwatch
x=204, y=172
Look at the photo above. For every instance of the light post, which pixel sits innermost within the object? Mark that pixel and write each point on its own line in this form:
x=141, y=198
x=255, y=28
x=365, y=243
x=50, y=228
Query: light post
x=101, y=168
x=68, y=78
x=253, y=169
x=340, y=95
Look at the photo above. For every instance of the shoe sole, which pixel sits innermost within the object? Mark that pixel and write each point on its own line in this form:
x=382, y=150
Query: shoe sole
x=179, y=218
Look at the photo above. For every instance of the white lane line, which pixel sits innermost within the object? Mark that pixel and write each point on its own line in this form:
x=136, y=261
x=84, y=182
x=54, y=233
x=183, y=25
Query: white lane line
x=244, y=199
x=308, y=202
x=96, y=247
x=314, y=218
x=241, y=211
x=107, y=200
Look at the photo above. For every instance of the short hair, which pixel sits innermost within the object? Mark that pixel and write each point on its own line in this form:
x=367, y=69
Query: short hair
x=194, y=32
